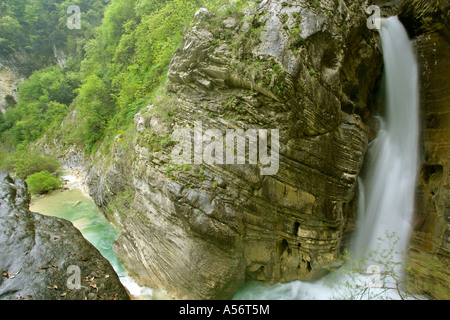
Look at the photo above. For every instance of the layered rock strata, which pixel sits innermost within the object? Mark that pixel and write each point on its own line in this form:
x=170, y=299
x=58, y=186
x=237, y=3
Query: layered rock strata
x=428, y=24
x=199, y=231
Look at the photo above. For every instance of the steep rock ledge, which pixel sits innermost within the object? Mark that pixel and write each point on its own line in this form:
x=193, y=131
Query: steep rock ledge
x=10, y=77
x=36, y=252
x=428, y=22
x=200, y=231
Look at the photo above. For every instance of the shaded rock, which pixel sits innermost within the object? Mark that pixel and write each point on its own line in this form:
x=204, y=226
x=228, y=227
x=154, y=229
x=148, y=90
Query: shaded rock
x=10, y=78
x=388, y=7
x=422, y=16
x=428, y=23
x=40, y=256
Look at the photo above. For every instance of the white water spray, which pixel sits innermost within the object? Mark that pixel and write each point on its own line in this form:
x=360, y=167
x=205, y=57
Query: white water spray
x=387, y=192
x=393, y=156
x=389, y=189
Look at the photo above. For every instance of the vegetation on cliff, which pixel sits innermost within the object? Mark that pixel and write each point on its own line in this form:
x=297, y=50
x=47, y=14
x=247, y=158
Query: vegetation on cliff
x=111, y=68
x=36, y=28
x=307, y=66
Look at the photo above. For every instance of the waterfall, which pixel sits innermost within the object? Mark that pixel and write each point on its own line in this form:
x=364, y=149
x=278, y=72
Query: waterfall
x=386, y=193
x=389, y=188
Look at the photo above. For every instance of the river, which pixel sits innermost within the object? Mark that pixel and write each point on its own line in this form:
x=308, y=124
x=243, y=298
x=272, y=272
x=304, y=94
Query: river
x=74, y=205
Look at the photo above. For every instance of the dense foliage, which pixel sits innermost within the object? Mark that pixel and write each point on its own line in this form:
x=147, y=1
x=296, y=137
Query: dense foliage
x=127, y=61
x=44, y=102
x=121, y=63
x=43, y=182
x=24, y=163
x=35, y=27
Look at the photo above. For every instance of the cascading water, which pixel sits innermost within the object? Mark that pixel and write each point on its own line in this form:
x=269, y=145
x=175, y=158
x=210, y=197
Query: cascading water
x=387, y=192
x=389, y=188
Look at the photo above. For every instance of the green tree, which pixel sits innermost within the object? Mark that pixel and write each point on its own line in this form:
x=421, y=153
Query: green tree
x=95, y=106
x=24, y=163
x=10, y=28
x=117, y=65
x=44, y=101
x=43, y=182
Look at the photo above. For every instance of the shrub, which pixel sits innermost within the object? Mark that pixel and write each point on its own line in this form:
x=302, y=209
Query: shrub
x=43, y=182
x=380, y=273
x=25, y=164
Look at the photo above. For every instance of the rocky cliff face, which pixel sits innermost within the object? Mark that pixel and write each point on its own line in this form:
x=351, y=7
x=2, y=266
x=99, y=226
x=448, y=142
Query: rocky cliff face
x=10, y=77
x=199, y=231
x=15, y=69
x=38, y=252
x=428, y=22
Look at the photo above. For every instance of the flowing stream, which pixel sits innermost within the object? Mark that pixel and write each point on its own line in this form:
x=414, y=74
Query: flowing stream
x=75, y=206
x=386, y=192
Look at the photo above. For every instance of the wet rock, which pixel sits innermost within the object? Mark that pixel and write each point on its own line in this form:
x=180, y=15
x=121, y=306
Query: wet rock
x=46, y=258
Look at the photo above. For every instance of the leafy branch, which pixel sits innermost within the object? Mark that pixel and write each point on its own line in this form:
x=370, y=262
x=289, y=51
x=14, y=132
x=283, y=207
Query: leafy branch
x=381, y=273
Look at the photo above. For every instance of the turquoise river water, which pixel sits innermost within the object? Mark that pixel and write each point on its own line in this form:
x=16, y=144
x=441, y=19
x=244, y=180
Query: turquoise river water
x=75, y=206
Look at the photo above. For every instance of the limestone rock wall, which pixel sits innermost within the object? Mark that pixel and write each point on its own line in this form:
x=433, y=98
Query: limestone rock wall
x=10, y=77
x=428, y=24
x=200, y=231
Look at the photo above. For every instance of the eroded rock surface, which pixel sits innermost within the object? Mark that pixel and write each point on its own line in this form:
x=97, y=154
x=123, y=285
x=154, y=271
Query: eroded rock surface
x=199, y=231
x=428, y=23
x=10, y=78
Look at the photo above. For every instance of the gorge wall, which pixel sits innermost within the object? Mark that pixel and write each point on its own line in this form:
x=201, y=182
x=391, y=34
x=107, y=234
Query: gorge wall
x=310, y=70
x=200, y=231
x=10, y=77
x=428, y=22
